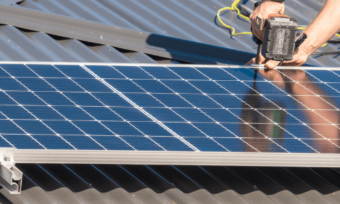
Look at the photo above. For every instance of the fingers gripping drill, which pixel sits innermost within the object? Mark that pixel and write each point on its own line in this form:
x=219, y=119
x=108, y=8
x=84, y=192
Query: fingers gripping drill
x=279, y=37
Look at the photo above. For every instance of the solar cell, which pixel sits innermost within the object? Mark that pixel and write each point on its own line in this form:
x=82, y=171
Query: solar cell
x=168, y=108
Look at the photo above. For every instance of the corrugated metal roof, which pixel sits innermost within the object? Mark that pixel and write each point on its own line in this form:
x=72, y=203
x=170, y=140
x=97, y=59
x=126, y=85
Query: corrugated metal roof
x=157, y=184
x=193, y=20
x=21, y=45
x=174, y=184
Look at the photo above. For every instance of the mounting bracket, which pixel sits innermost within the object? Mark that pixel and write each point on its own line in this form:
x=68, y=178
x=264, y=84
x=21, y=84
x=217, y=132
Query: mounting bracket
x=10, y=175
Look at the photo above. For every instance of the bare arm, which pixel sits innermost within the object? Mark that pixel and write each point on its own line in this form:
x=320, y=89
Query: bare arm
x=324, y=26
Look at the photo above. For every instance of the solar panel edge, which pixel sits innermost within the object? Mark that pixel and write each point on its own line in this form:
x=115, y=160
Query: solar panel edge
x=167, y=65
x=173, y=158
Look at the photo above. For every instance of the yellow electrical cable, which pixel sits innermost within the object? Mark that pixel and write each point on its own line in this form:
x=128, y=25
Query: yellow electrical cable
x=234, y=8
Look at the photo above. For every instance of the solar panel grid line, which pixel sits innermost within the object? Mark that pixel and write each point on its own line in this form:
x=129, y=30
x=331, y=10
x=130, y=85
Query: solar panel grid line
x=269, y=118
x=239, y=117
x=207, y=114
x=204, y=112
x=260, y=133
x=190, y=104
x=317, y=113
x=141, y=110
x=334, y=73
x=313, y=92
x=31, y=114
x=316, y=96
x=295, y=118
x=70, y=121
x=2, y=137
x=191, y=113
x=29, y=135
x=140, y=107
x=327, y=84
x=91, y=115
x=299, y=121
x=138, y=130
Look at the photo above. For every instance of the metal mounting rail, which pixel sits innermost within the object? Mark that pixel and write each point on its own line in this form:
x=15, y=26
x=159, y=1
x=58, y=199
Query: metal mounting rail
x=10, y=175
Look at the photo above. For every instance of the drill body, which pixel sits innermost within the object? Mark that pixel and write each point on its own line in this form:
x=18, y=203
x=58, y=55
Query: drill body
x=279, y=38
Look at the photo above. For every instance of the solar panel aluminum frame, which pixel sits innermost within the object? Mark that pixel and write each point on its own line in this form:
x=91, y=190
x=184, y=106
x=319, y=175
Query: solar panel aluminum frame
x=253, y=66
x=176, y=158
x=173, y=157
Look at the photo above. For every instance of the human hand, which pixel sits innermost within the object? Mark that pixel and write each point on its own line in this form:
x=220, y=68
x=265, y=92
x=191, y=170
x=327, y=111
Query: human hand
x=300, y=57
x=266, y=8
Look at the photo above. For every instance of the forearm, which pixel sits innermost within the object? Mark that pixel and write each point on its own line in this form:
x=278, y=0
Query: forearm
x=324, y=26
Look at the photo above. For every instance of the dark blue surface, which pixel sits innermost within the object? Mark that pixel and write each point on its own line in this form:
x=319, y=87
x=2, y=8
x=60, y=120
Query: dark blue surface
x=73, y=113
x=180, y=86
x=53, y=142
x=101, y=113
x=216, y=74
x=192, y=115
x=46, y=71
x=106, y=72
x=206, y=144
x=15, y=112
x=144, y=100
x=176, y=107
x=161, y=73
x=129, y=114
x=122, y=128
x=23, y=142
x=201, y=101
x=324, y=75
x=8, y=84
x=64, y=84
x=35, y=84
x=83, y=142
x=73, y=71
x=164, y=114
x=18, y=70
x=143, y=143
x=113, y=143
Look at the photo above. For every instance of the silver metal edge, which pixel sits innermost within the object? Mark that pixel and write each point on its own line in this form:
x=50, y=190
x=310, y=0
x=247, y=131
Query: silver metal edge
x=177, y=158
x=167, y=65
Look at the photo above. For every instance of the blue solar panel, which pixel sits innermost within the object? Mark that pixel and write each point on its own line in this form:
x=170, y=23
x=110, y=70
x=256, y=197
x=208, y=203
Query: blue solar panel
x=173, y=108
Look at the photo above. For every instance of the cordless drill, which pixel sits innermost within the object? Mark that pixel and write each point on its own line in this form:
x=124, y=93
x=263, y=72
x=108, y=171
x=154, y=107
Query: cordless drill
x=279, y=37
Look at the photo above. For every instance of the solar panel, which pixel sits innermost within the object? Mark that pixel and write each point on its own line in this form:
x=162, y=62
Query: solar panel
x=165, y=108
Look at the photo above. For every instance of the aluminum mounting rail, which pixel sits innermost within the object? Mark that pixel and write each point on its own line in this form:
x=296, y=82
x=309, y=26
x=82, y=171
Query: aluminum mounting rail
x=10, y=175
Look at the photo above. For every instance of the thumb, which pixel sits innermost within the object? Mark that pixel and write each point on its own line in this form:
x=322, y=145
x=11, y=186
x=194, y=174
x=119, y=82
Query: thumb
x=272, y=64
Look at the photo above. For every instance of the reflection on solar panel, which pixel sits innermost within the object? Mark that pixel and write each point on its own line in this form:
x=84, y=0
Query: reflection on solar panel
x=168, y=108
